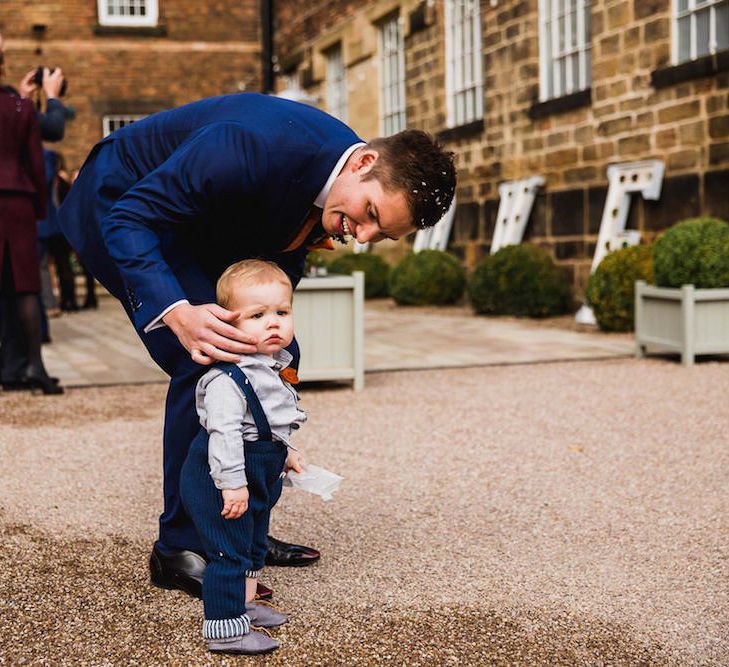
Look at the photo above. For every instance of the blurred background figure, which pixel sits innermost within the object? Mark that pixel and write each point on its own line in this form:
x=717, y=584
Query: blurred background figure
x=52, y=243
x=22, y=203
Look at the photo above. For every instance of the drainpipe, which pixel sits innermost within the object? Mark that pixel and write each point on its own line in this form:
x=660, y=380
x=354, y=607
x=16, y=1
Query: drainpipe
x=267, y=78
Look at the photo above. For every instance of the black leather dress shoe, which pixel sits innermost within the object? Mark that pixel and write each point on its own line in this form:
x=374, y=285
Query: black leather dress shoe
x=180, y=569
x=15, y=385
x=284, y=554
x=184, y=570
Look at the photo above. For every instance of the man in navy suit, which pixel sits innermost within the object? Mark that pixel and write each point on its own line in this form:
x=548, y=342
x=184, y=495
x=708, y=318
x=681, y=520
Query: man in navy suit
x=163, y=206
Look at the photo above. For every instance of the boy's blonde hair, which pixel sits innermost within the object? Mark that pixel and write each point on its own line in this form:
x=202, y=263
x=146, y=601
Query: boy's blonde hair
x=248, y=272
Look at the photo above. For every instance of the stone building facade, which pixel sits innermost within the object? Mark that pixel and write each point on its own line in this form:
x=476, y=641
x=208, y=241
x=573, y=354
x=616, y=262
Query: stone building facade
x=127, y=62
x=646, y=84
x=646, y=79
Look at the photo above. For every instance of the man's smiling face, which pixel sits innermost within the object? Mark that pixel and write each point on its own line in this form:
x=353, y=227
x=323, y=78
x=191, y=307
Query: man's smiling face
x=360, y=208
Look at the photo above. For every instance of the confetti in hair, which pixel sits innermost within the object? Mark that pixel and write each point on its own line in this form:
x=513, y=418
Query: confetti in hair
x=415, y=164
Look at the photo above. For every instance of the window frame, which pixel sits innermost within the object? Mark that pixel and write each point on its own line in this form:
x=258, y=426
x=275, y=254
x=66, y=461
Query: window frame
x=150, y=19
x=391, y=63
x=336, y=85
x=464, y=67
x=692, y=12
x=551, y=85
x=109, y=118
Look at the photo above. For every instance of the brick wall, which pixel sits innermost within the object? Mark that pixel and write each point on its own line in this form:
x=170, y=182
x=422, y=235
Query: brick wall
x=198, y=49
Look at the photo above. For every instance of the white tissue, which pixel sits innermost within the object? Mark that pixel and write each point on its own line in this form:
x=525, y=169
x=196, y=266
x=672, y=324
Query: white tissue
x=314, y=479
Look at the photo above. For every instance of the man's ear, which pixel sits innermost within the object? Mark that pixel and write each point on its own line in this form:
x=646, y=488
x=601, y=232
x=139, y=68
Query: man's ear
x=365, y=160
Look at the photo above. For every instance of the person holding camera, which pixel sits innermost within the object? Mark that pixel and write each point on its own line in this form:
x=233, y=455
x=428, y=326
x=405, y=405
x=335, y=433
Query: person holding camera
x=39, y=82
x=22, y=202
x=53, y=85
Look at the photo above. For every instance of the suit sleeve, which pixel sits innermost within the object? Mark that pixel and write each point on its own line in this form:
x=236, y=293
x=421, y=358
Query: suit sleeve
x=36, y=164
x=218, y=166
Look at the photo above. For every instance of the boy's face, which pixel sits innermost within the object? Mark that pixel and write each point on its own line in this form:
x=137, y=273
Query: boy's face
x=265, y=313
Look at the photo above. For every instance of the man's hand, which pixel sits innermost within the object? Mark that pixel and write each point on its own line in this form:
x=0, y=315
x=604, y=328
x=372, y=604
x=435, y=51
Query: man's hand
x=295, y=461
x=207, y=334
x=27, y=85
x=52, y=82
x=235, y=502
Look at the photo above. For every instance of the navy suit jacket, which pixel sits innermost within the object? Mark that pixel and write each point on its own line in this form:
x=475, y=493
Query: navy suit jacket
x=171, y=200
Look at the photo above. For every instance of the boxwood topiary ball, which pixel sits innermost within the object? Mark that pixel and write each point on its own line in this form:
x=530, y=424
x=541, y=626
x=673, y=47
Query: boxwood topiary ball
x=376, y=271
x=520, y=280
x=611, y=289
x=427, y=277
x=693, y=252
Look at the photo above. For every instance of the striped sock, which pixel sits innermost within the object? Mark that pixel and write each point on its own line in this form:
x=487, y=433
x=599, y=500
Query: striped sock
x=225, y=628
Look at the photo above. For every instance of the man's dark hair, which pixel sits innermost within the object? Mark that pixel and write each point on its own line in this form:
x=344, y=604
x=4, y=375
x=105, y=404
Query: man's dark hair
x=414, y=163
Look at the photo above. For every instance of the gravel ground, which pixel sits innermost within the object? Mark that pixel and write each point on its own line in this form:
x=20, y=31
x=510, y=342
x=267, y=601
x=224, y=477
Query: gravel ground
x=571, y=513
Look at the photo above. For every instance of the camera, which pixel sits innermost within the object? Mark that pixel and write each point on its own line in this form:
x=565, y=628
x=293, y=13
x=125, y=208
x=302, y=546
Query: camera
x=38, y=79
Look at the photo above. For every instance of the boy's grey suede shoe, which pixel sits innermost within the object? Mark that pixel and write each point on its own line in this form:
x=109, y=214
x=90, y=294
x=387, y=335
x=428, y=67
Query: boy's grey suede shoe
x=254, y=643
x=264, y=615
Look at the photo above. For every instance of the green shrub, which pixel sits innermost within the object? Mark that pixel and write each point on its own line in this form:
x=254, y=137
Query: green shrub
x=693, y=252
x=611, y=288
x=427, y=277
x=520, y=280
x=375, y=268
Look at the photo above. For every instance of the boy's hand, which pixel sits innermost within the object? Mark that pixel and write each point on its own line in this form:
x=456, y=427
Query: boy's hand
x=295, y=461
x=235, y=502
x=208, y=334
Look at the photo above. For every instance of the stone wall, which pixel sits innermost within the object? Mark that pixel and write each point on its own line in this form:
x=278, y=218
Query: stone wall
x=635, y=112
x=197, y=50
x=639, y=107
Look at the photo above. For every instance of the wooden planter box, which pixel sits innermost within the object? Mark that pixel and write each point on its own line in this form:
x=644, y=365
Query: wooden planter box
x=329, y=325
x=687, y=320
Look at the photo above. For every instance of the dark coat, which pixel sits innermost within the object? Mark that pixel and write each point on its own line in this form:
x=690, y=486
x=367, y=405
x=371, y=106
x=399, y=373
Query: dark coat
x=22, y=190
x=21, y=153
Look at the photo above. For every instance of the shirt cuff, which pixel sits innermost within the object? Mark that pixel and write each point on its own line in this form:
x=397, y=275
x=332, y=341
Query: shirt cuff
x=230, y=481
x=157, y=322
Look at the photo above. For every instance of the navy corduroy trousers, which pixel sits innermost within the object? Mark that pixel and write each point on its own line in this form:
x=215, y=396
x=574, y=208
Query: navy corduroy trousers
x=233, y=546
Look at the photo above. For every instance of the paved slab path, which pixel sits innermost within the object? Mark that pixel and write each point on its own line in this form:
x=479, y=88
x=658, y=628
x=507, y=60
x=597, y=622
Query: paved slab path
x=100, y=347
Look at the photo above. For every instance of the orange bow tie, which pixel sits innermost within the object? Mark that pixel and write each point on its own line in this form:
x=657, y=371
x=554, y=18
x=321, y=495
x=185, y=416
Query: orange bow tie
x=289, y=374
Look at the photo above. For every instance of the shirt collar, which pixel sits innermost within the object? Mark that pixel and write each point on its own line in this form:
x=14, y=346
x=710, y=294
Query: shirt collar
x=321, y=198
x=279, y=360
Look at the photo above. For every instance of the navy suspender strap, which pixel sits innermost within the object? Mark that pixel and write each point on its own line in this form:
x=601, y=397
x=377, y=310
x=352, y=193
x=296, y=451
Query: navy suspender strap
x=254, y=405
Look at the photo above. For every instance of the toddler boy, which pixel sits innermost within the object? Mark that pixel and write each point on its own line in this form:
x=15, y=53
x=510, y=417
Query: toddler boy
x=232, y=476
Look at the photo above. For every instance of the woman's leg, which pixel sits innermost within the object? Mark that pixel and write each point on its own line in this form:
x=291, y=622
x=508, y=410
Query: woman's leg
x=30, y=320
